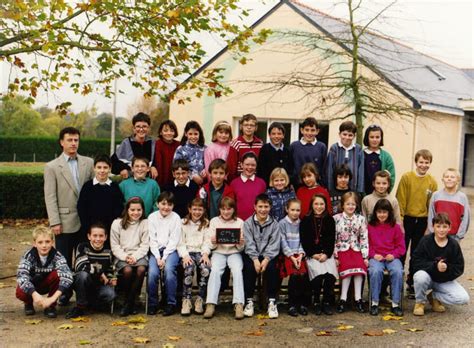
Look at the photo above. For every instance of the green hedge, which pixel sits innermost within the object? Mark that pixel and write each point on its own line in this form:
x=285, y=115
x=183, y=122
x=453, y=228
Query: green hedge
x=44, y=149
x=22, y=196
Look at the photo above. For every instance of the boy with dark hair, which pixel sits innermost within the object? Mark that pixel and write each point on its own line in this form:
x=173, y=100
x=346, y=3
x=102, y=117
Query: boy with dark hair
x=246, y=142
x=42, y=270
x=274, y=154
x=137, y=145
x=342, y=179
x=164, y=228
x=308, y=150
x=183, y=188
x=437, y=262
x=413, y=194
x=346, y=152
x=213, y=191
x=100, y=200
x=262, y=236
x=95, y=277
x=141, y=186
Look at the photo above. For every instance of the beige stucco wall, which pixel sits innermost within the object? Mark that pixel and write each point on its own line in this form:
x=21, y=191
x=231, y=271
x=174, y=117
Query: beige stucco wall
x=438, y=132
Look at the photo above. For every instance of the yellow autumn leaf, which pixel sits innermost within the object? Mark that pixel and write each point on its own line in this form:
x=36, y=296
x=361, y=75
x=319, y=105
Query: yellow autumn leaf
x=65, y=326
x=414, y=330
x=324, y=333
x=174, y=338
x=404, y=323
x=119, y=323
x=33, y=321
x=81, y=319
x=137, y=320
x=373, y=333
x=343, y=327
x=389, y=331
x=141, y=340
x=391, y=317
x=84, y=342
x=168, y=345
x=263, y=323
x=172, y=14
x=136, y=326
x=258, y=332
x=263, y=316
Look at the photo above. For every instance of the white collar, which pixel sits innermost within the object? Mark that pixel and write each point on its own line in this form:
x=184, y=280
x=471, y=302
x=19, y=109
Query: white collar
x=277, y=148
x=187, y=183
x=256, y=219
x=304, y=142
x=97, y=182
x=350, y=147
x=244, y=178
x=287, y=218
x=368, y=151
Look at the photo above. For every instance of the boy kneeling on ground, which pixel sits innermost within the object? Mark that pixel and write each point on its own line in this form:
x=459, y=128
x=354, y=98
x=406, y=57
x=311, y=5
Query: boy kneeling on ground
x=95, y=279
x=42, y=270
x=437, y=262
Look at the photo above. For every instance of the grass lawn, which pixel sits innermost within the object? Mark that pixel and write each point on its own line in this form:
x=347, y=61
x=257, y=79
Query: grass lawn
x=21, y=167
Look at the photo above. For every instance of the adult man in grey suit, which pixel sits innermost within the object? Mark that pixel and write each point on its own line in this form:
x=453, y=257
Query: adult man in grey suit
x=63, y=180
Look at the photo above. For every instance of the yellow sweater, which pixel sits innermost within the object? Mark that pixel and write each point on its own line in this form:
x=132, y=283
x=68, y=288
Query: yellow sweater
x=414, y=194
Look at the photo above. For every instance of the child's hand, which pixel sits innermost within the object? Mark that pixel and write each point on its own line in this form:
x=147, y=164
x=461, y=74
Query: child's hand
x=161, y=263
x=198, y=179
x=323, y=257
x=128, y=259
x=389, y=257
x=263, y=265
x=366, y=263
x=213, y=239
x=442, y=266
x=257, y=265
x=133, y=260
x=113, y=282
x=48, y=301
x=378, y=257
x=187, y=261
x=124, y=173
x=104, y=279
x=203, y=173
x=205, y=260
x=153, y=172
x=242, y=240
x=294, y=260
x=38, y=299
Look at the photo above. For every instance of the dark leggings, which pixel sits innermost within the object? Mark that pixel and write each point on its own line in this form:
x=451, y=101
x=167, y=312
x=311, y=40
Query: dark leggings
x=299, y=293
x=131, y=282
x=325, y=282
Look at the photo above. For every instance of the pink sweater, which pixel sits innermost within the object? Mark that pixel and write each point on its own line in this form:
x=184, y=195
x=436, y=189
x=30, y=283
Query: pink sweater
x=245, y=193
x=385, y=239
x=213, y=151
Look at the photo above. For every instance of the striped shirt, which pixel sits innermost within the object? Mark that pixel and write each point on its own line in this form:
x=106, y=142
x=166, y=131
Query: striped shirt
x=95, y=262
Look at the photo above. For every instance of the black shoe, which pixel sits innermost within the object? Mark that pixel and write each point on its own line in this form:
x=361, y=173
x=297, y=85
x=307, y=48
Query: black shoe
x=292, y=311
x=360, y=306
x=29, y=309
x=127, y=310
x=50, y=312
x=303, y=310
x=397, y=311
x=169, y=310
x=374, y=310
x=327, y=309
x=63, y=300
x=318, y=310
x=74, y=313
x=152, y=310
x=341, y=307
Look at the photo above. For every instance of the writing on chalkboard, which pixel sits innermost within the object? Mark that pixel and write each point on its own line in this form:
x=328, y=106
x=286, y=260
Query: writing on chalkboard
x=228, y=235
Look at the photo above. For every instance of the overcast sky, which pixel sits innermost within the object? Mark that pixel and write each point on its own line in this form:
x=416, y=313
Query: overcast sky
x=443, y=29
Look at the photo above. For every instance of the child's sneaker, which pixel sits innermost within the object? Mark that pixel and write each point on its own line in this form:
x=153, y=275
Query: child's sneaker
x=272, y=310
x=29, y=309
x=419, y=309
x=199, y=305
x=186, y=307
x=210, y=309
x=239, y=311
x=436, y=305
x=50, y=312
x=248, y=310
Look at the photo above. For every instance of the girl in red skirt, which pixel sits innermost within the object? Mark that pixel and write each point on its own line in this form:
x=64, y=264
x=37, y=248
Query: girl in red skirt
x=351, y=250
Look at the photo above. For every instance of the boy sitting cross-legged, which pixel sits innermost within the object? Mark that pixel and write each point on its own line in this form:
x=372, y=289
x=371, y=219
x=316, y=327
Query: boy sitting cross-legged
x=42, y=270
x=95, y=278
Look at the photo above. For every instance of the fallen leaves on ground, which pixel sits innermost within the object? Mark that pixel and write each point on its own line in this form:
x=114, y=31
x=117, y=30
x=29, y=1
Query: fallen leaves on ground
x=414, y=329
x=136, y=326
x=263, y=316
x=137, y=320
x=305, y=330
x=119, y=323
x=174, y=338
x=33, y=321
x=324, y=333
x=373, y=333
x=84, y=342
x=263, y=323
x=81, y=319
x=258, y=332
x=24, y=223
x=141, y=340
x=404, y=323
x=343, y=327
x=391, y=317
x=168, y=345
x=65, y=326
x=389, y=331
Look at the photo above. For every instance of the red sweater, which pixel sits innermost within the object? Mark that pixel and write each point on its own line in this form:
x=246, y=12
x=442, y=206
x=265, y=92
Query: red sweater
x=304, y=194
x=238, y=148
x=245, y=193
x=385, y=239
x=164, y=153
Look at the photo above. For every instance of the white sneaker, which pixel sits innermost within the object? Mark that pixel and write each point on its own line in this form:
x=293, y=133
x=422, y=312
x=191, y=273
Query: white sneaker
x=272, y=310
x=248, y=310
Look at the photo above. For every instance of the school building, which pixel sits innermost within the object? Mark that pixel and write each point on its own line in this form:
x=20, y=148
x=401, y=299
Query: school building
x=440, y=97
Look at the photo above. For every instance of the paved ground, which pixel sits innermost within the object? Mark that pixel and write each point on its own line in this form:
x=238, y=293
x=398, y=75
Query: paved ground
x=451, y=329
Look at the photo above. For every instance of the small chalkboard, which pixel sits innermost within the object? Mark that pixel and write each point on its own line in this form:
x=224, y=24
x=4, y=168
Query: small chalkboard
x=228, y=235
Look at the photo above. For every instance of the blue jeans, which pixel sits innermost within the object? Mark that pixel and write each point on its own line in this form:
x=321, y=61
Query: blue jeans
x=170, y=278
x=451, y=293
x=376, y=269
x=87, y=288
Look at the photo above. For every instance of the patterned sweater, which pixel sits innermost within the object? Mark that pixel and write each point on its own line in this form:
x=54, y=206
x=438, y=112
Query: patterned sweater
x=94, y=262
x=351, y=233
x=194, y=154
x=31, y=271
x=279, y=199
x=290, y=237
